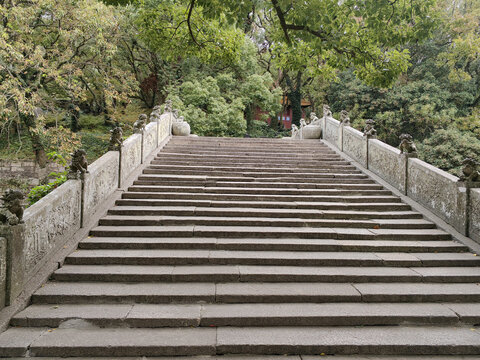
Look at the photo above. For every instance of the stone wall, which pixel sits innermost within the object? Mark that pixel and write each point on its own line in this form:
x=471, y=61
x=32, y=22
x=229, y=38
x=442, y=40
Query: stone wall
x=131, y=156
x=438, y=191
x=164, y=127
x=354, y=144
x=100, y=183
x=332, y=128
x=388, y=163
x=3, y=271
x=475, y=215
x=50, y=221
x=150, y=142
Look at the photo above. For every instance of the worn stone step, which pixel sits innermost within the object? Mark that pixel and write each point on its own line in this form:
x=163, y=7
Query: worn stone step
x=250, y=190
x=151, y=220
x=350, y=174
x=263, y=273
x=262, y=197
x=271, y=244
x=277, y=357
x=209, y=315
x=161, y=169
x=286, y=258
x=263, y=212
x=262, y=157
x=329, y=206
x=272, y=232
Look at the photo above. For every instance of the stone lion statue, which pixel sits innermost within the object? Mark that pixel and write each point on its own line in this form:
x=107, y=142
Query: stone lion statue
x=116, y=139
x=180, y=127
x=344, y=118
x=407, y=146
x=369, y=130
x=11, y=212
x=469, y=171
x=326, y=111
x=79, y=165
x=168, y=107
x=314, y=120
x=139, y=125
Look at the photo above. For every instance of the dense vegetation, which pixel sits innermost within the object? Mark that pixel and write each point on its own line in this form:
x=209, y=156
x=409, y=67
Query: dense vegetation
x=70, y=70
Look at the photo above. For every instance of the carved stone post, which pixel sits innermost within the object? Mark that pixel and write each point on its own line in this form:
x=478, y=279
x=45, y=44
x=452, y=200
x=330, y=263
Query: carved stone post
x=469, y=179
x=116, y=142
x=369, y=133
x=344, y=121
x=408, y=150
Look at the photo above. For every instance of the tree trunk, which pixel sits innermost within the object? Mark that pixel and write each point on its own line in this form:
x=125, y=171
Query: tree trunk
x=248, y=113
x=37, y=145
x=295, y=97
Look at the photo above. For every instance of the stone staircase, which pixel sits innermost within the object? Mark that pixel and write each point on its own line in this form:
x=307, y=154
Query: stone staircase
x=256, y=246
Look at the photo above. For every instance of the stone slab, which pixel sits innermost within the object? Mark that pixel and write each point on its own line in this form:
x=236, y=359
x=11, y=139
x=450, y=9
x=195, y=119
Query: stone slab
x=388, y=163
x=150, y=141
x=468, y=313
x=15, y=341
x=474, y=232
x=3, y=272
x=125, y=342
x=355, y=145
x=131, y=156
x=159, y=315
x=449, y=274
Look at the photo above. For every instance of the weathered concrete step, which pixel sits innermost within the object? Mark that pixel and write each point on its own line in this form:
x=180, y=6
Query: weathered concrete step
x=273, y=232
x=284, y=153
x=271, y=244
x=275, y=357
x=261, y=191
x=195, y=181
x=311, y=164
x=208, y=315
x=264, y=212
x=289, y=169
x=397, y=340
x=262, y=157
x=330, y=206
x=261, y=197
x=263, y=273
x=152, y=220
x=350, y=174
x=277, y=181
x=285, y=258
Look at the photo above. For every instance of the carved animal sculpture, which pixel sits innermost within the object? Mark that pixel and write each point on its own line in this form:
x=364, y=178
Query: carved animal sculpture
x=314, y=120
x=344, y=118
x=168, y=106
x=407, y=146
x=11, y=212
x=79, y=165
x=326, y=111
x=469, y=171
x=369, y=128
x=139, y=125
x=116, y=139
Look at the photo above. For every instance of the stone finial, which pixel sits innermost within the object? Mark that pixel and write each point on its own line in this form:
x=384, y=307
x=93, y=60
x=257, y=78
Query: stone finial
x=11, y=211
x=469, y=170
x=116, y=139
x=156, y=113
x=139, y=125
x=314, y=120
x=168, y=107
x=176, y=114
x=180, y=127
x=326, y=111
x=369, y=130
x=344, y=118
x=407, y=146
x=303, y=123
x=79, y=165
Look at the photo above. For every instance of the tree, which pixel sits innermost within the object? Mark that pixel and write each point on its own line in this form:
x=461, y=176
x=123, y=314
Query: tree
x=54, y=53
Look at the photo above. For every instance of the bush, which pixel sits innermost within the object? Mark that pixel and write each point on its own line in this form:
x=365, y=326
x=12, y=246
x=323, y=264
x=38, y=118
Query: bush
x=40, y=191
x=261, y=129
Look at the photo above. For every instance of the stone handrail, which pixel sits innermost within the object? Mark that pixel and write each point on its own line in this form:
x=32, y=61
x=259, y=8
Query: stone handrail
x=51, y=222
x=454, y=201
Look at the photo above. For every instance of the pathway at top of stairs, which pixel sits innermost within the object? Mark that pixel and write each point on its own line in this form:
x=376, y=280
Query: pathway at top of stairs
x=256, y=246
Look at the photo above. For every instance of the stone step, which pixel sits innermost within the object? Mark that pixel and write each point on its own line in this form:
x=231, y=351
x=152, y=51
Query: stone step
x=307, y=164
x=194, y=181
x=329, y=206
x=285, y=258
x=340, y=174
x=341, y=340
x=261, y=197
x=262, y=157
x=235, y=292
x=263, y=212
x=281, y=169
x=151, y=220
x=277, y=181
x=216, y=315
x=263, y=273
x=250, y=190
x=272, y=232
x=271, y=244
x=273, y=357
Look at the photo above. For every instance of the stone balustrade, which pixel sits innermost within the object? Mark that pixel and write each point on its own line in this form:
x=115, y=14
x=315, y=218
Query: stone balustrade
x=53, y=220
x=438, y=191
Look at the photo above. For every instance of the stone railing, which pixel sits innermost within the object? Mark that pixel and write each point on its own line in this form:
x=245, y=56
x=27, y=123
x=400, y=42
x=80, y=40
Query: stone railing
x=454, y=201
x=51, y=222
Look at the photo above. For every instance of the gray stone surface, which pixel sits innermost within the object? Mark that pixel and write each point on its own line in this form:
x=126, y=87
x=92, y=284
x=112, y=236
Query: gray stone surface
x=438, y=191
x=332, y=131
x=3, y=272
x=475, y=215
x=100, y=183
x=164, y=127
x=347, y=340
x=50, y=222
x=355, y=145
x=150, y=141
x=388, y=163
x=468, y=313
x=158, y=315
x=131, y=156
x=15, y=261
x=125, y=342
x=15, y=341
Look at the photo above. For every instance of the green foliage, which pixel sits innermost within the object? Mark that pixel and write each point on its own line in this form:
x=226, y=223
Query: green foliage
x=447, y=148
x=261, y=129
x=41, y=191
x=95, y=144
